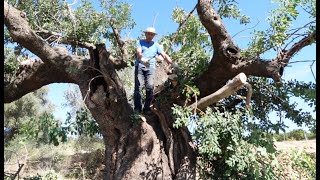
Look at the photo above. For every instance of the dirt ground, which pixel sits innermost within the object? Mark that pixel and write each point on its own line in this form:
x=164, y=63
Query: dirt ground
x=309, y=145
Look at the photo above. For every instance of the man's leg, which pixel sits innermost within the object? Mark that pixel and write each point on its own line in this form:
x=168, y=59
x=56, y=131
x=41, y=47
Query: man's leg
x=149, y=89
x=138, y=84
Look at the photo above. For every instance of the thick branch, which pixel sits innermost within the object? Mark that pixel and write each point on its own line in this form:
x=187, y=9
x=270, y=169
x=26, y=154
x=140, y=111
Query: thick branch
x=211, y=20
x=221, y=40
x=288, y=54
x=50, y=36
x=121, y=44
x=22, y=33
x=259, y=67
x=32, y=77
x=235, y=84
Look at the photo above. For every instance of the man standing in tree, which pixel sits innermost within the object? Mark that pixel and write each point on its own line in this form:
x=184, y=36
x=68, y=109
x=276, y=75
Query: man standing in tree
x=145, y=65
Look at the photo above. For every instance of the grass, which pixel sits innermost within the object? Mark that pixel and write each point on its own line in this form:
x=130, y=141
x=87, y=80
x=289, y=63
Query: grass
x=75, y=159
x=82, y=158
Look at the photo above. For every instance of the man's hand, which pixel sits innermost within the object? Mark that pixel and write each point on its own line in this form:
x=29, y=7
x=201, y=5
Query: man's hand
x=145, y=62
x=159, y=58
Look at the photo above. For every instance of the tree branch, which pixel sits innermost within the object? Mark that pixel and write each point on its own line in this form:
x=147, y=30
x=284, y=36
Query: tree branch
x=122, y=46
x=288, y=54
x=57, y=37
x=260, y=68
x=235, y=84
x=220, y=38
x=31, y=77
x=20, y=31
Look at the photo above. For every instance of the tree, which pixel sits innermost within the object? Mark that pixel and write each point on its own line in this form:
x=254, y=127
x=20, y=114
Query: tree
x=31, y=118
x=152, y=148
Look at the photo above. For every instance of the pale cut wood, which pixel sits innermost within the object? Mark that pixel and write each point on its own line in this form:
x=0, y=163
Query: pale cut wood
x=232, y=86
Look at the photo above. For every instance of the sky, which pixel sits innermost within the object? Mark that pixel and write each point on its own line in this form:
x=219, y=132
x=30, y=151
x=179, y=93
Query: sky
x=158, y=13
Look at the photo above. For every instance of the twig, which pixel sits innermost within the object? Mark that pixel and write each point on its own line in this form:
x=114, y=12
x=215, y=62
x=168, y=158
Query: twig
x=312, y=71
x=180, y=25
x=154, y=19
x=273, y=95
x=246, y=29
x=93, y=68
x=73, y=3
x=302, y=61
x=17, y=173
x=90, y=85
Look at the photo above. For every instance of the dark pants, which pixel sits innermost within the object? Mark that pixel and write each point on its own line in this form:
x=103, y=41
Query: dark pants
x=143, y=76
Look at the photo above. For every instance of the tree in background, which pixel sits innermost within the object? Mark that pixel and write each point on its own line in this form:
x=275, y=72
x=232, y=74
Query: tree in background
x=68, y=47
x=31, y=117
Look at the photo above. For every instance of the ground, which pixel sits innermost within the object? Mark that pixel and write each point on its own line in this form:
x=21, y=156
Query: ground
x=309, y=145
x=66, y=162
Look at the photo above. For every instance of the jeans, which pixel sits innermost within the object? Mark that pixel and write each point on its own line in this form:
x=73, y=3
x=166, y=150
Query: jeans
x=143, y=76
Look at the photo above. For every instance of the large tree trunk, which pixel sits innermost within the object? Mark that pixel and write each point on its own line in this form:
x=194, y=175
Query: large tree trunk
x=141, y=148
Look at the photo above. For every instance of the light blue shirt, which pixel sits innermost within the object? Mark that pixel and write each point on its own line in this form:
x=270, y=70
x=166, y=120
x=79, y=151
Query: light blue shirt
x=149, y=51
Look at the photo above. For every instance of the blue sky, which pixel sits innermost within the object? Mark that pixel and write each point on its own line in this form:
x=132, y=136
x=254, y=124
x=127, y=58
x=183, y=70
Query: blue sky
x=145, y=11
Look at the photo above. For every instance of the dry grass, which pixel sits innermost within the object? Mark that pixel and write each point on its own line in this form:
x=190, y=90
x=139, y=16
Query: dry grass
x=71, y=160
x=309, y=146
x=68, y=162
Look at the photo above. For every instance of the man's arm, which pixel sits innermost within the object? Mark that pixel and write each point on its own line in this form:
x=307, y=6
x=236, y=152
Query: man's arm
x=139, y=52
x=166, y=57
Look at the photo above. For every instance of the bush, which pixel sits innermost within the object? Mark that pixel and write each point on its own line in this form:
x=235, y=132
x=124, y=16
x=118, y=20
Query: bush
x=223, y=151
x=311, y=135
x=88, y=144
x=297, y=134
x=305, y=162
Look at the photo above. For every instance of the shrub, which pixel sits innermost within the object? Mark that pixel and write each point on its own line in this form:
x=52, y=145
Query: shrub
x=297, y=134
x=224, y=152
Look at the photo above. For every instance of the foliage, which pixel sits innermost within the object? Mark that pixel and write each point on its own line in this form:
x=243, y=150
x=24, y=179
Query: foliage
x=46, y=130
x=229, y=9
x=84, y=124
x=279, y=35
x=36, y=177
x=183, y=116
x=51, y=175
x=10, y=64
x=223, y=150
x=296, y=134
x=88, y=144
x=32, y=117
x=79, y=120
x=305, y=162
x=226, y=149
x=268, y=97
x=191, y=46
x=84, y=23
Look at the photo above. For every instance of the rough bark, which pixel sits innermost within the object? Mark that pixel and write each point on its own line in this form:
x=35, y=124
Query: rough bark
x=148, y=148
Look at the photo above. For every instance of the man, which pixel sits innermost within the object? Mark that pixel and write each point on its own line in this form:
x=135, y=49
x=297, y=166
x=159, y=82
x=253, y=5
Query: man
x=145, y=65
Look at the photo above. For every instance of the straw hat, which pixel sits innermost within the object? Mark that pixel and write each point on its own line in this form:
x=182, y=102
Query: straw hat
x=150, y=30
